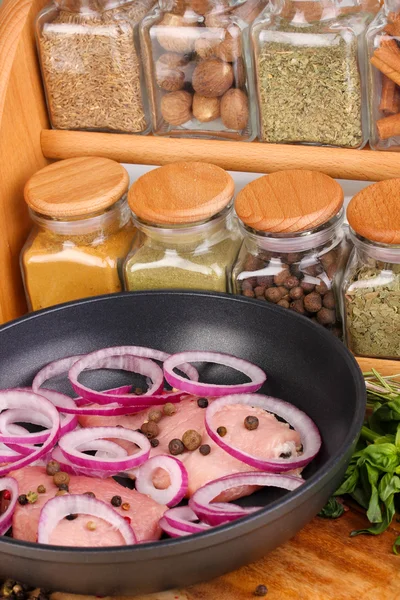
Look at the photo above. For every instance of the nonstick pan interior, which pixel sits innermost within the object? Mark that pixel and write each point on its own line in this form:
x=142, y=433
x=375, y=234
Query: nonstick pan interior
x=305, y=364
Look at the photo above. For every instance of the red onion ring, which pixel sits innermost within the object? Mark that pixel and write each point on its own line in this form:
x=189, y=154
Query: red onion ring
x=11, y=485
x=255, y=374
x=72, y=469
x=60, y=507
x=70, y=443
x=27, y=400
x=173, y=532
x=223, y=512
x=309, y=434
x=175, y=492
x=182, y=519
x=57, y=367
x=21, y=435
x=123, y=389
x=8, y=455
x=129, y=358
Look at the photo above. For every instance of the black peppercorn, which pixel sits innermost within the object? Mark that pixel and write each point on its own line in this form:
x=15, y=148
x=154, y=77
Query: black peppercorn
x=90, y=494
x=251, y=422
x=22, y=499
x=202, y=402
x=71, y=517
x=176, y=447
x=116, y=501
x=261, y=590
x=64, y=487
x=222, y=431
x=205, y=449
x=154, y=442
x=285, y=455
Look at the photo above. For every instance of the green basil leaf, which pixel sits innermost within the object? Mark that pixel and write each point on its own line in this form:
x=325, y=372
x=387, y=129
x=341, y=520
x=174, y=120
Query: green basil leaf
x=349, y=483
x=332, y=509
x=396, y=543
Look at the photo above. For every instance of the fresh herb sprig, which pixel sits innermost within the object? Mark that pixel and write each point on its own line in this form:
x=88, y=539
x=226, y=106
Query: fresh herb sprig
x=372, y=478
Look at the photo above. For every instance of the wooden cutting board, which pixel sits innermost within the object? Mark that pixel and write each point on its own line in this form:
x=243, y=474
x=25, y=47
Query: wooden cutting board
x=322, y=562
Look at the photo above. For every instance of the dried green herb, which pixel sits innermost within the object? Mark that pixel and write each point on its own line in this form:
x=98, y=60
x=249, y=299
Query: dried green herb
x=372, y=304
x=310, y=93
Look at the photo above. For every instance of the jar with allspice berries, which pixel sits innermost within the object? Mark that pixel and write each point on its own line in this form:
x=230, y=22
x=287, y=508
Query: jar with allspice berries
x=294, y=249
x=82, y=231
x=198, y=69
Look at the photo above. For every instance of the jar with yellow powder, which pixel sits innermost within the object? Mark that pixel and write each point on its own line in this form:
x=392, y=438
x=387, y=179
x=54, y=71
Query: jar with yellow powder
x=82, y=231
x=187, y=235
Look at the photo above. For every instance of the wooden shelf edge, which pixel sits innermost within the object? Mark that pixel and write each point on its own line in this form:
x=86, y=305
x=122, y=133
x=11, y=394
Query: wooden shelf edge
x=383, y=366
x=363, y=165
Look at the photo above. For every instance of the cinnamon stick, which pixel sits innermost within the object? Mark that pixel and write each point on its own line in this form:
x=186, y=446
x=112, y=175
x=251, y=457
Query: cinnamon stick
x=386, y=58
x=388, y=127
x=390, y=97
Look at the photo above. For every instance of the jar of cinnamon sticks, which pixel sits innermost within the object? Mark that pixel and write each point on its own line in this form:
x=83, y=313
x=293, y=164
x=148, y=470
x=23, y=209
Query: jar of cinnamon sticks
x=383, y=39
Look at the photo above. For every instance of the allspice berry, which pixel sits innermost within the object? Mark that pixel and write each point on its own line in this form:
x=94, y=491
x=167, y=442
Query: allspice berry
x=259, y=290
x=176, y=447
x=150, y=430
x=273, y=295
x=307, y=287
x=291, y=282
x=296, y=293
x=326, y=316
x=321, y=288
x=281, y=277
x=313, y=302
x=284, y=303
x=298, y=306
x=169, y=409
x=328, y=300
x=191, y=439
x=155, y=415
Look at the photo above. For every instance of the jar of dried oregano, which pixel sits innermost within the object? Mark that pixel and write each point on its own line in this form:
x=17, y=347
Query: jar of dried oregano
x=82, y=231
x=294, y=249
x=371, y=287
x=199, y=71
x=188, y=237
x=310, y=64
x=91, y=67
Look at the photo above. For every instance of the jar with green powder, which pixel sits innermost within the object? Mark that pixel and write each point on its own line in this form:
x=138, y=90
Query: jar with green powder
x=187, y=234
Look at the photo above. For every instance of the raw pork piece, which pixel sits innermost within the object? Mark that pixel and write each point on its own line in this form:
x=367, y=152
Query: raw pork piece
x=144, y=512
x=268, y=441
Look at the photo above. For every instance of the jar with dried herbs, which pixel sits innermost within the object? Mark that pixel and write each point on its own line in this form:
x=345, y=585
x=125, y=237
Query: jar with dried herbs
x=371, y=287
x=188, y=238
x=198, y=68
x=383, y=39
x=310, y=72
x=294, y=249
x=91, y=67
x=82, y=231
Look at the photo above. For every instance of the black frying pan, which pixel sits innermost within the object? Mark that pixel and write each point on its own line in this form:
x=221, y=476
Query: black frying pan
x=305, y=364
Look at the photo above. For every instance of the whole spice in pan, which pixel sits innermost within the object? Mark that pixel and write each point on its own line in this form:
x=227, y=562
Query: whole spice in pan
x=91, y=66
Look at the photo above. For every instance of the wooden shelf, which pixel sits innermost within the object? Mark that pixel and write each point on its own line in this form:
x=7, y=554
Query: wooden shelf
x=364, y=165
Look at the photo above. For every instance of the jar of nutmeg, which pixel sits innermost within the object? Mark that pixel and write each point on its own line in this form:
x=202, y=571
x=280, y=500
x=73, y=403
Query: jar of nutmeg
x=295, y=249
x=198, y=69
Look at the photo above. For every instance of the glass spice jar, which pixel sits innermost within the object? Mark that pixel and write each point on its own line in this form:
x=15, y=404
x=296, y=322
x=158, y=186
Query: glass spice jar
x=309, y=64
x=91, y=67
x=188, y=237
x=371, y=286
x=383, y=38
x=198, y=69
x=294, y=249
x=82, y=231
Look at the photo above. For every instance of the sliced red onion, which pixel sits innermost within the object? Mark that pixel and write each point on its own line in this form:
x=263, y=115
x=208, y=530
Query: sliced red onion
x=255, y=374
x=175, y=492
x=8, y=455
x=27, y=400
x=57, y=367
x=10, y=417
x=123, y=389
x=306, y=428
x=72, y=469
x=70, y=443
x=11, y=485
x=173, y=532
x=68, y=422
x=129, y=358
x=56, y=509
x=183, y=519
x=223, y=512
x=111, y=410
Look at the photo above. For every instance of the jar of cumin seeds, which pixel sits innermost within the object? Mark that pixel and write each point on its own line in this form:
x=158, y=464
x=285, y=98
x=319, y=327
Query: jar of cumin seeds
x=294, y=249
x=82, y=231
x=187, y=235
x=90, y=60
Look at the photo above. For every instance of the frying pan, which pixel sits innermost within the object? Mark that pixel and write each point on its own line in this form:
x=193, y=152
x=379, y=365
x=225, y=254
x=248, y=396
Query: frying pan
x=306, y=365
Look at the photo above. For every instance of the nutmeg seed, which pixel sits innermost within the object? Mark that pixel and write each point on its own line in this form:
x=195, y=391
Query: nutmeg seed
x=235, y=109
x=231, y=48
x=173, y=60
x=212, y=78
x=239, y=73
x=205, y=47
x=206, y=109
x=170, y=80
x=176, y=107
x=168, y=37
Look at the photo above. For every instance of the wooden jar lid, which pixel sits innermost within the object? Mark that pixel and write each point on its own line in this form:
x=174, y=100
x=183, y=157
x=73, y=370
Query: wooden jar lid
x=181, y=192
x=76, y=187
x=289, y=201
x=374, y=213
